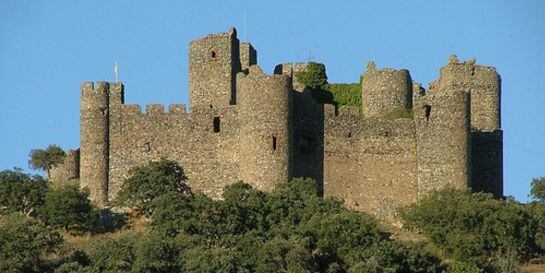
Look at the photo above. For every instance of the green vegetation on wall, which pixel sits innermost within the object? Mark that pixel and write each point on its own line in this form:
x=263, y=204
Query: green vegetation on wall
x=338, y=94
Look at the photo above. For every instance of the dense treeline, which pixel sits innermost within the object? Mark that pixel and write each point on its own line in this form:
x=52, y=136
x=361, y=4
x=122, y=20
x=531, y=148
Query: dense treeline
x=292, y=229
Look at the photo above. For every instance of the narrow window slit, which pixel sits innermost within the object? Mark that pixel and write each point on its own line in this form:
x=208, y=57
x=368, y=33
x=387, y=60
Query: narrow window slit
x=216, y=124
x=273, y=143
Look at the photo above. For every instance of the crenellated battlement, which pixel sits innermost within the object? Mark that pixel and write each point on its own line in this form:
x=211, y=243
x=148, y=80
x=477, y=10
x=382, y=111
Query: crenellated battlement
x=388, y=147
x=153, y=109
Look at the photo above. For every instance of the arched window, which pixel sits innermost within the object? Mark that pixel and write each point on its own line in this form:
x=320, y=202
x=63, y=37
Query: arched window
x=213, y=55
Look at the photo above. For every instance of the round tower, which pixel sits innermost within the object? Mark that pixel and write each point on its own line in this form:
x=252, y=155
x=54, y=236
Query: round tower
x=385, y=91
x=94, y=140
x=265, y=133
x=484, y=85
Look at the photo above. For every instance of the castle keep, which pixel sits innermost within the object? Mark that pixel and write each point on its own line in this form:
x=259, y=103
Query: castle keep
x=245, y=125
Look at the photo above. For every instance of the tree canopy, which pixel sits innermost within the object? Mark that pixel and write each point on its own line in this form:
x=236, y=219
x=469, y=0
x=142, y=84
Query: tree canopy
x=45, y=159
x=150, y=181
x=537, y=190
x=21, y=192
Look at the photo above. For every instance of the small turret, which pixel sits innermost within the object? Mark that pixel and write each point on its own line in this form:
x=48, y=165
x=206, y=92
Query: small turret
x=385, y=90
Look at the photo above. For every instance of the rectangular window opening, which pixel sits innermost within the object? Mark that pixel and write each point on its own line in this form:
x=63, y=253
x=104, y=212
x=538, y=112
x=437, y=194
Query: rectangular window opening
x=428, y=112
x=216, y=124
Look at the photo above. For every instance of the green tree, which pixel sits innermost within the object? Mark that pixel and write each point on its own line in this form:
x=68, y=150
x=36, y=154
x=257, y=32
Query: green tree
x=346, y=237
x=246, y=209
x=149, y=182
x=537, y=190
x=23, y=241
x=47, y=158
x=68, y=207
x=474, y=226
x=281, y=255
x=212, y=260
x=296, y=201
x=20, y=192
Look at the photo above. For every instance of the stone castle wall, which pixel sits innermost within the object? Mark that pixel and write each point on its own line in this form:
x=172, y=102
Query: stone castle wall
x=266, y=129
x=68, y=169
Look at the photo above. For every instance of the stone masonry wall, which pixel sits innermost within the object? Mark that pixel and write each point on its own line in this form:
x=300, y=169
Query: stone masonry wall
x=385, y=90
x=266, y=130
x=443, y=135
x=245, y=125
x=371, y=163
x=209, y=158
x=213, y=65
x=68, y=169
x=483, y=84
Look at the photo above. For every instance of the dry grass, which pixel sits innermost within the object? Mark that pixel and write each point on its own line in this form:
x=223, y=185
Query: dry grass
x=533, y=268
x=83, y=242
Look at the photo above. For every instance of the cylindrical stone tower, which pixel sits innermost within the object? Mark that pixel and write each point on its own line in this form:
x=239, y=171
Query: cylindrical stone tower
x=443, y=139
x=94, y=140
x=484, y=85
x=385, y=91
x=265, y=134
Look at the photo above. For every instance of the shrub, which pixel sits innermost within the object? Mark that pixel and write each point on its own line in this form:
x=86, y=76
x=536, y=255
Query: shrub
x=212, y=260
x=108, y=254
x=474, y=226
x=69, y=208
x=314, y=76
x=292, y=255
x=156, y=253
x=345, y=94
x=23, y=242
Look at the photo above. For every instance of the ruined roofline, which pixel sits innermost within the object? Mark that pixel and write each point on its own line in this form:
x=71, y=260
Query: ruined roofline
x=231, y=33
x=453, y=60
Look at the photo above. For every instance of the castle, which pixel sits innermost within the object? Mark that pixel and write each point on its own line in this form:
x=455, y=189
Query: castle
x=245, y=125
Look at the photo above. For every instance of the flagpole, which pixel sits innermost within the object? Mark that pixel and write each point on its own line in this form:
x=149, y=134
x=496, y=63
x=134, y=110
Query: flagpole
x=245, y=38
x=116, y=70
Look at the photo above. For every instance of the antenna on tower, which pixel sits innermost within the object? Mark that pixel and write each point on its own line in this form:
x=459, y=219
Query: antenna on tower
x=245, y=38
x=116, y=70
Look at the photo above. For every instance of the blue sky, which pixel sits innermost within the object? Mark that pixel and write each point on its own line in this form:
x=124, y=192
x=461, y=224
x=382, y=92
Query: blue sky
x=47, y=48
